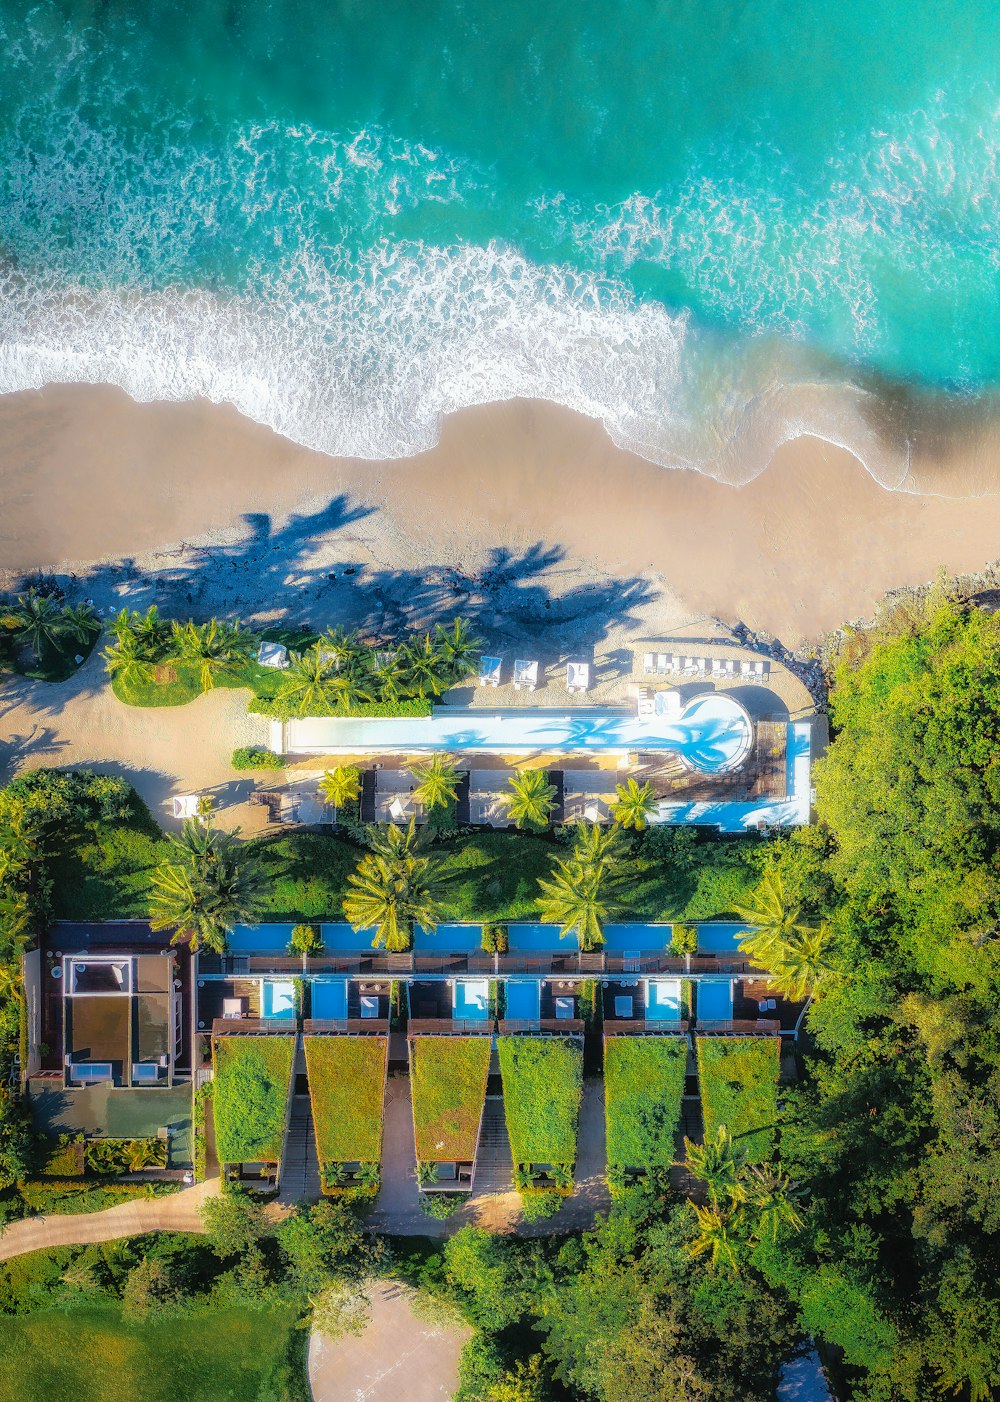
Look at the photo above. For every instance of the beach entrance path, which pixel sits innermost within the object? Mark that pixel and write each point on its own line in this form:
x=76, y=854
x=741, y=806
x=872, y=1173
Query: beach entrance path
x=398, y=1356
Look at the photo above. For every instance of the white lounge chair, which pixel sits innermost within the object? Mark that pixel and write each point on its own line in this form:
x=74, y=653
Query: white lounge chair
x=663, y=663
x=577, y=677
x=646, y=705
x=489, y=671
x=525, y=675
x=716, y=667
x=649, y=662
x=729, y=668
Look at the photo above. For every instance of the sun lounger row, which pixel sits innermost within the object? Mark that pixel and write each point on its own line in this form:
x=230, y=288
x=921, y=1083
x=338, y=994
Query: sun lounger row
x=525, y=677
x=667, y=664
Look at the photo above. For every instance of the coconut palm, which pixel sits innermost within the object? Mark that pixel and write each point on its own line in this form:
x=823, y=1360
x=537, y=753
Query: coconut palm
x=634, y=804
x=771, y=1198
x=37, y=620
x=128, y=660
x=218, y=649
x=530, y=799
x=437, y=781
x=576, y=898
x=396, y=886
x=205, y=886
x=80, y=622
x=341, y=786
x=342, y=649
x=714, y=1238
x=348, y=687
x=773, y=915
x=597, y=846
x=718, y=1163
x=307, y=680
x=459, y=648
x=427, y=671
x=803, y=962
x=387, y=672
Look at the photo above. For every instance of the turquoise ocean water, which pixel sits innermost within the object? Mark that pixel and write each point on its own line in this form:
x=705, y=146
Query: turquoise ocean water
x=348, y=218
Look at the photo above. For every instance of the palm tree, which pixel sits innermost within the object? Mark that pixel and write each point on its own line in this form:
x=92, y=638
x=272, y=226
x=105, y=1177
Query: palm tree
x=396, y=886
x=341, y=786
x=459, y=648
x=348, y=687
x=635, y=804
x=307, y=680
x=341, y=648
x=140, y=1154
x=437, y=781
x=38, y=620
x=217, y=648
x=773, y=916
x=128, y=660
x=387, y=673
x=426, y=668
x=575, y=899
x=597, y=846
x=718, y=1163
x=714, y=1239
x=205, y=886
x=803, y=962
x=772, y=1198
x=530, y=799
x=80, y=621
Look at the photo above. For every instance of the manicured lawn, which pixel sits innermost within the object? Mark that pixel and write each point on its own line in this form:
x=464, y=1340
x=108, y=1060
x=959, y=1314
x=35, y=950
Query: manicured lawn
x=643, y=1085
x=184, y=684
x=347, y=1086
x=494, y=875
x=448, y=1083
x=542, y=1086
x=306, y=875
x=251, y=1087
x=105, y=873
x=92, y=1355
x=739, y=1089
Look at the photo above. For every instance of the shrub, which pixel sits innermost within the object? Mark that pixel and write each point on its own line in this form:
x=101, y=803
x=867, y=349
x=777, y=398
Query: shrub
x=739, y=1089
x=541, y=1204
x=252, y=1076
x=543, y=1084
x=306, y=939
x=643, y=1085
x=256, y=757
x=202, y=1104
x=683, y=939
x=277, y=708
x=442, y=1205
x=495, y=937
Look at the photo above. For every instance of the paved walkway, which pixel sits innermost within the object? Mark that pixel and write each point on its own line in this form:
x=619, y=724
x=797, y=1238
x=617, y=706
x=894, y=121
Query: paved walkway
x=178, y=1212
x=398, y=1356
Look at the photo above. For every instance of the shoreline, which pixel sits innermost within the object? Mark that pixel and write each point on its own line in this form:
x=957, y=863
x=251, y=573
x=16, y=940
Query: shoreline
x=103, y=487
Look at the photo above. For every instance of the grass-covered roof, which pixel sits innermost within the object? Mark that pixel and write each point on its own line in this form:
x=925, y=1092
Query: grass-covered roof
x=643, y=1085
x=448, y=1085
x=252, y=1076
x=739, y=1089
x=542, y=1086
x=347, y=1087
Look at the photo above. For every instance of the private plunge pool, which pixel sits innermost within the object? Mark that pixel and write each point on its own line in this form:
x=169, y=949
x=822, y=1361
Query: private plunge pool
x=713, y=733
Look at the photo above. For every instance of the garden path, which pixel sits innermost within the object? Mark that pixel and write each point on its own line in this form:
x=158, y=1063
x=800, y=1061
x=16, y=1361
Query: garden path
x=177, y=1212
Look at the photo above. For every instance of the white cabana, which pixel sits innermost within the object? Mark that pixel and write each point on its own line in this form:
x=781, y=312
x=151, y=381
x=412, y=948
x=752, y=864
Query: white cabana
x=185, y=805
x=273, y=655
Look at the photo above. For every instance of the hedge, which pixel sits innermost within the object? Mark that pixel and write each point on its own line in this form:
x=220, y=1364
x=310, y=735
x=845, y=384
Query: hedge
x=739, y=1089
x=347, y=1089
x=542, y=1087
x=643, y=1085
x=278, y=708
x=448, y=1083
x=252, y=1076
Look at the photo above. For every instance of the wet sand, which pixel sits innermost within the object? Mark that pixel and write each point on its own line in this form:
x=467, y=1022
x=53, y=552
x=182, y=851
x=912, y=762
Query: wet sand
x=87, y=476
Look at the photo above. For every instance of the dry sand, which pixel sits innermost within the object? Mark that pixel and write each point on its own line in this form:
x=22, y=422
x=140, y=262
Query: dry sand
x=88, y=476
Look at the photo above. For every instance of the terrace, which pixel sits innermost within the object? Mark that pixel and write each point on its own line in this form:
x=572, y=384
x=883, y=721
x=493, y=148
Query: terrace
x=356, y=1006
x=550, y=1006
x=587, y=795
x=654, y=1005
x=449, y=1006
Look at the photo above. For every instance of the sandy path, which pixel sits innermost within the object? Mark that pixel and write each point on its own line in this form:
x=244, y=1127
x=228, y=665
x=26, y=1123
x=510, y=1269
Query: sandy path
x=162, y=751
x=178, y=1212
x=88, y=476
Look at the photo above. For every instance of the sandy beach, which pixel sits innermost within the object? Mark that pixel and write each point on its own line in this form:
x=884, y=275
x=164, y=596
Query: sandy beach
x=222, y=514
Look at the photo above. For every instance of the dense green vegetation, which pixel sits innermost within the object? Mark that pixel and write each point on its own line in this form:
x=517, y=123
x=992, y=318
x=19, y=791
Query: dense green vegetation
x=643, y=1085
x=542, y=1086
x=347, y=1087
x=252, y=1077
x=739, y=1089
x=448, y=1084
x=41, y=635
